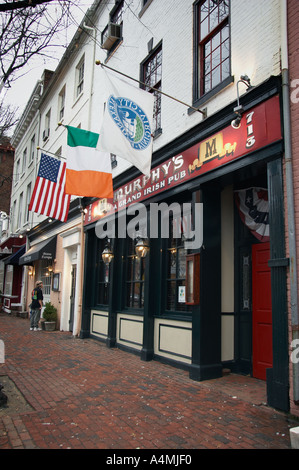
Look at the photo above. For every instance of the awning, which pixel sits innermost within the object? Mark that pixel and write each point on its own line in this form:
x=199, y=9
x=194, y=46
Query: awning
x=42, y=250
x=15, y=258
x=9, y=246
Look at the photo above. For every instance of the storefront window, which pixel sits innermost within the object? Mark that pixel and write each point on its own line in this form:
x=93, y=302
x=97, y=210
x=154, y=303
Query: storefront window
x=135, y=277
x=102, y=291
x=176, y=271
x=46, y=277
x=8, y=280
x=1, y=276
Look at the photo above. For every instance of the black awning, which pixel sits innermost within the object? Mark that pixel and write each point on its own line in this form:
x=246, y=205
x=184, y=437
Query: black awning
x=15, y=258
x=42, y=250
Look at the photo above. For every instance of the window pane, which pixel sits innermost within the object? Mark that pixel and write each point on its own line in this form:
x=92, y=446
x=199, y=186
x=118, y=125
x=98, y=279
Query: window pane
x=225, y=69
x=171, y=264
x=207, y=83
x=182, y=263
x=204, y=9
x=137, y=273
x=204, y=28
x=129, y=301
x=207, y=48
x=216, y=77
x=225, y=50
x=171, y=295
x=213, y=17
x=207, y=65
x=225, y=33
x=8, y=280
x=215, y=58
x=223, y=9
x=216, y=41
x=135, y=277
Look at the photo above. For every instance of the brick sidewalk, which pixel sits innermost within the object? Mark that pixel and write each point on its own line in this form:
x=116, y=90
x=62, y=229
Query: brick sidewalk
x=86, y=396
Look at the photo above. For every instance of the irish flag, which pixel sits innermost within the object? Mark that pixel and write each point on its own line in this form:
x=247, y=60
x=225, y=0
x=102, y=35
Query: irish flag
x=88, y=171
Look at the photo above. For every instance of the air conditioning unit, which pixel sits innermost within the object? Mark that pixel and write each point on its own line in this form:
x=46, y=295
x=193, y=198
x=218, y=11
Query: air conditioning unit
x=112, y=33
x=46, y=134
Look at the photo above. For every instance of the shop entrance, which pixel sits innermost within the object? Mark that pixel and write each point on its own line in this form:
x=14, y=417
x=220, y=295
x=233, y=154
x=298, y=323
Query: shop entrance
x=254, y=348
x=72, y=296
x=262, y=356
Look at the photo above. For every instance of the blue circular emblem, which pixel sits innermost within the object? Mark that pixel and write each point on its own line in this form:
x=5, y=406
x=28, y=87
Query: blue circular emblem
x=131, y=120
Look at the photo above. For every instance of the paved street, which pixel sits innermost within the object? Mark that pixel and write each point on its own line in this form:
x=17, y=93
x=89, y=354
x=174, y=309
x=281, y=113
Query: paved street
x=78, y=394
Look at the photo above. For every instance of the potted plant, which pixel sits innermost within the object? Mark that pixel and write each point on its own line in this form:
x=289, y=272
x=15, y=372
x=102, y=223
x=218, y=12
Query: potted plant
x=50, y=317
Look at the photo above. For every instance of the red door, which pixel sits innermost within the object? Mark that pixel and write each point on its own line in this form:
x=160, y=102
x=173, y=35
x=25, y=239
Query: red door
x=262, y=356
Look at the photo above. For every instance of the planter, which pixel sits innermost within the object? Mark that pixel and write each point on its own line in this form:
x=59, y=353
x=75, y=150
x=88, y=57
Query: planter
x=50, y=325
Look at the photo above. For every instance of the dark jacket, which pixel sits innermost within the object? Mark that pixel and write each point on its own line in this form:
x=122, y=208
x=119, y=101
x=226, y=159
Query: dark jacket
x=37, y=294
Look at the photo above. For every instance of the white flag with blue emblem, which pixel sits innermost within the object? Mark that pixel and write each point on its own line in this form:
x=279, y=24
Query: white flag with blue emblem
x=127, y=123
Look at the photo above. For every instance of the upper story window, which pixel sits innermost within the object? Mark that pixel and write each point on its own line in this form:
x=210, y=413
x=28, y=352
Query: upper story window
x=46, y=131
x=80, y=77
x=14, y=216
x=19, y=223
x=61, y=104
x=116, y=16
x=212, y=51
x=112, y=34
x=24, y=163
x=18, y=170
x=32, y=149
x=144, y=5
x=28, y=197
x=152, y=77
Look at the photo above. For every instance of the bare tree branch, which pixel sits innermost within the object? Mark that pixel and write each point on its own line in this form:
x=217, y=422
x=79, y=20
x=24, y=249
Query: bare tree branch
x=28, y=32
x=21, y=4
x=8, y=119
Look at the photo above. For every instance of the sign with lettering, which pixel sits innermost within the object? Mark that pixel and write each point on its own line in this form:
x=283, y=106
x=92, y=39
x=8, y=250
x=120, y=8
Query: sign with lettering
x=260, y=127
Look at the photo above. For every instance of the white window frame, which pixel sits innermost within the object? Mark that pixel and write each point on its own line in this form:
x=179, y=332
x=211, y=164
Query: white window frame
x=32, y=149
x=19, y=224
x=80, y=77
x=24, y=161
x=61, y=104
x=28, y=197
x=8, y=279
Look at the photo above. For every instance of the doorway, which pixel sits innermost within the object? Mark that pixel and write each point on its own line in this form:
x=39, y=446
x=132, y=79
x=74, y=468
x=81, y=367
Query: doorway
x=72, y=296
x=253, y=302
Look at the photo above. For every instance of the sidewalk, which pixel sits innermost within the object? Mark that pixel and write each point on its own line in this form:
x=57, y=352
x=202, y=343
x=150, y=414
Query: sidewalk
x=78, y=394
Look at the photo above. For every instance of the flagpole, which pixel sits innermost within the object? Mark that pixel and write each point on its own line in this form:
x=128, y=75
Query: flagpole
x=203, y=112
x=51, y=153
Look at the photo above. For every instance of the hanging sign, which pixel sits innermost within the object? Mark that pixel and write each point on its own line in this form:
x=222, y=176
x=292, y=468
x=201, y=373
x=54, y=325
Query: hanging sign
x=260, y=127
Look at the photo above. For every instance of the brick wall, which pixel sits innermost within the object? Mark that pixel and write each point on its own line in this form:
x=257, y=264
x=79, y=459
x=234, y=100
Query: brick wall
x=293, y=46
x=6, y=165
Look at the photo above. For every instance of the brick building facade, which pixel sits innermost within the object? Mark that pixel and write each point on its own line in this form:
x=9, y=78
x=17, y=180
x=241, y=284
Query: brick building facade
x=6, y=175
x=293, y=64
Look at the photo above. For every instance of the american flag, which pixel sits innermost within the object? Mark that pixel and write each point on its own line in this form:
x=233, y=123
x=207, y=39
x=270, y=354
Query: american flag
x=48, y=197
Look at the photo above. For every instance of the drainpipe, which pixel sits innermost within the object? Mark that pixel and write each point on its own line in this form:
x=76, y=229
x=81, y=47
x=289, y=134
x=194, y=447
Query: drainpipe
x=76, y=331
x=289, y=188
